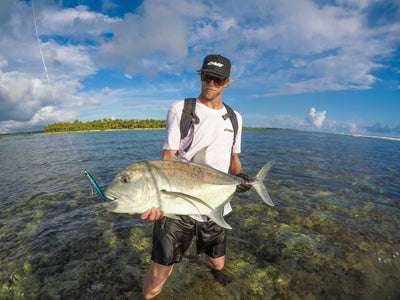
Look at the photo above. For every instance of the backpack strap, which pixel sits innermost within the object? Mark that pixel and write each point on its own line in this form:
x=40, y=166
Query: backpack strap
x=188, y=118
x=232, y=116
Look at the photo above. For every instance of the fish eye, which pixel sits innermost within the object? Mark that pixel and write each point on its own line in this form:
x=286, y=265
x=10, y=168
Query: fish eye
x=125, y=179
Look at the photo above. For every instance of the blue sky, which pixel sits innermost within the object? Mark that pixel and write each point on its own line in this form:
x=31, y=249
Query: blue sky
x=330, y=66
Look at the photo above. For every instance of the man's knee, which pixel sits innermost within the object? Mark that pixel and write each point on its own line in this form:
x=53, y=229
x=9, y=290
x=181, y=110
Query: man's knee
x=155, y=279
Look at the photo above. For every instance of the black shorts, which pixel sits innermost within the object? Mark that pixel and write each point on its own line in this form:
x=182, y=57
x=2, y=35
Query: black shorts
x=171, y=238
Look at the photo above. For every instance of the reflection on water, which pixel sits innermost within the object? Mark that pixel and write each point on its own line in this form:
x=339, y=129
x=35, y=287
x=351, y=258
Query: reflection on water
x=333, y=234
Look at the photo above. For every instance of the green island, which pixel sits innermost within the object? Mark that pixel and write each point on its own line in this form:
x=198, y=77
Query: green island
x=105, y=124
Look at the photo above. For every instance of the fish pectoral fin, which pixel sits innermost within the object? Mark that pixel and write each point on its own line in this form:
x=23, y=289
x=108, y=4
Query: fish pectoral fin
x=186, y=197
x=217, y=217
x=172, y=216
x=215, y=214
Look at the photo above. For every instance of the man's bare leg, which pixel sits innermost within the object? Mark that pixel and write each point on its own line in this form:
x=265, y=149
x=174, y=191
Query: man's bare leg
x=155, y=279
x=216, y=263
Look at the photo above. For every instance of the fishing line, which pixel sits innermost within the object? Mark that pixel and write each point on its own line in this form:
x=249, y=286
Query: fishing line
x=40, y=47
x=89, y=177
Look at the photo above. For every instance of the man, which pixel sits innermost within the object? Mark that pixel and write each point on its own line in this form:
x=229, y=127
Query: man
x=171, y=238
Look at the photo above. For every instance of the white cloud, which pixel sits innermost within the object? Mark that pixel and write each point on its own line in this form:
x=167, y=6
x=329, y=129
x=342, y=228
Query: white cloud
x=331, y=46
x=316, y=118
x=154, y=39
x=353, y=128
x=31, y=102
x=106, y=91
x=274, y=121
x=76, y=21
x=42, y=117
x=26, y=97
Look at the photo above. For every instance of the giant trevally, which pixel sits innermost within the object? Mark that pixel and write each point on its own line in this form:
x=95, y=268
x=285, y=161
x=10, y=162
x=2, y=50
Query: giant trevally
x=178, y=188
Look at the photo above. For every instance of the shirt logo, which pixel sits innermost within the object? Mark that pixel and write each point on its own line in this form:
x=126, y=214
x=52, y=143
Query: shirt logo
x=229, y=130
x=215, y=64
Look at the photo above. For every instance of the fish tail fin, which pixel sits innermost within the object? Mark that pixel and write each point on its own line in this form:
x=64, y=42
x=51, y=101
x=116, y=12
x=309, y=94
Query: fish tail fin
x=258, y=183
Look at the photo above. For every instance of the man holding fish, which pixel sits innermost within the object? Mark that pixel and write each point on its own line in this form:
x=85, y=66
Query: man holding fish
x=171, y=238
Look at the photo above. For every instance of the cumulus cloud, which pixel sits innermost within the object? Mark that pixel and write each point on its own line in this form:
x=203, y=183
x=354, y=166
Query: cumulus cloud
x=316, y=118
x=26, y=96
x=21, y=96
x=354, y=128
x=78, y=21
x=154, y=39
x=106, y=91
x=45, y=115
x=333, y=46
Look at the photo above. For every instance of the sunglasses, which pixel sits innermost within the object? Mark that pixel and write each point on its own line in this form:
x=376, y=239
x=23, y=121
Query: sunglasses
x=217, y=80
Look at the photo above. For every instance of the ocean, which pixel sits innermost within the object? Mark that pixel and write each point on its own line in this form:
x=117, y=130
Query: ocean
x=334, y=232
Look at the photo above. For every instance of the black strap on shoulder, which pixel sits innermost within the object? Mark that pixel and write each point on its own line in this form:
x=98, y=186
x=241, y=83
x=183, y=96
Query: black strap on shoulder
x=232, y=116
x=189, y=117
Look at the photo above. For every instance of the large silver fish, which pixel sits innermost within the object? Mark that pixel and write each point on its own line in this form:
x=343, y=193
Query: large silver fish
x=178, y=188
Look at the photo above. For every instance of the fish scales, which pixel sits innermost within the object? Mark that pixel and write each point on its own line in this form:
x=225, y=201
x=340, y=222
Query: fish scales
x=208, y=175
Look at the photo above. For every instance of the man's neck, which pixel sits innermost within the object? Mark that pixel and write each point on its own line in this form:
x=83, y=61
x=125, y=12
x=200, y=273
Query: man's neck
x=213, y=104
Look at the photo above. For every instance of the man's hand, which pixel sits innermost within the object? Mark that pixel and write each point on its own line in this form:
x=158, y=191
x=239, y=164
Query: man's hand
x=152, y=214
x=244, y=186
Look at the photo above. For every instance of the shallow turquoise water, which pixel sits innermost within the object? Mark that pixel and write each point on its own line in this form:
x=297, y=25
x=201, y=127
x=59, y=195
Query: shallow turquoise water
x=333, y=234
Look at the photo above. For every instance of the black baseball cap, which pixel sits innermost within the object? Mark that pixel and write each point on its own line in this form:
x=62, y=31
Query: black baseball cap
x=216, y=64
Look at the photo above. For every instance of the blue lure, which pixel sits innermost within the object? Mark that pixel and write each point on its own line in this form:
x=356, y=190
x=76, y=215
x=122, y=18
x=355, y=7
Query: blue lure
x=94, y=184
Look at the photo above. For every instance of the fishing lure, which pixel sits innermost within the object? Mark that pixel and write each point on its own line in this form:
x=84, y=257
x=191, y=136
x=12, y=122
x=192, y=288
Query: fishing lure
x=94, y=184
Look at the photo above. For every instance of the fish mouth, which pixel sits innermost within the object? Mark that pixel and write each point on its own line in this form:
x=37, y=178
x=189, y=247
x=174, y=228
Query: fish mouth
x=111, y=196
x=117, y=197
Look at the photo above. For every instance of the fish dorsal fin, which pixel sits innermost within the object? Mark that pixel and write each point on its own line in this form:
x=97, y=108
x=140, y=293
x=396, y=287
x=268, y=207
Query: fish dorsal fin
x=200, y=157
x=175, y=159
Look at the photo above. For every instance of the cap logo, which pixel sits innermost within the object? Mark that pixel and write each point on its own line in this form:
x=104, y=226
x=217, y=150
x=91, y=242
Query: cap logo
x=215, y=64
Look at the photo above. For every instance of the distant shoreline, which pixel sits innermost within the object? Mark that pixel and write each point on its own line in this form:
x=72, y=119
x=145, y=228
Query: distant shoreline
x=268, y=128
x=28, y=133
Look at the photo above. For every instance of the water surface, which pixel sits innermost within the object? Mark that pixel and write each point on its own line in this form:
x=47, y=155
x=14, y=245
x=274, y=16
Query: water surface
x=333, y=234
